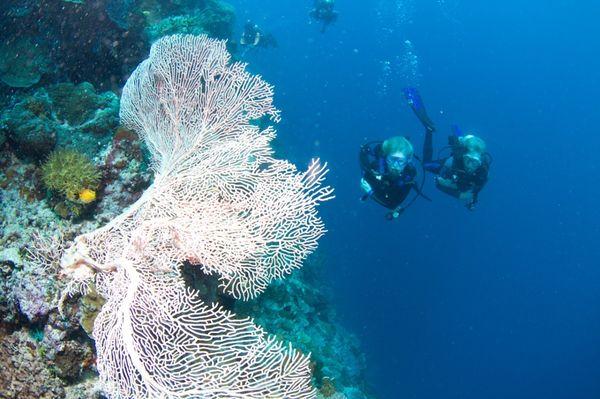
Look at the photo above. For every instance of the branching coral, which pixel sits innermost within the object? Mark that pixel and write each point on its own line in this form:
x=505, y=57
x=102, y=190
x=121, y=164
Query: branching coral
x=219, y=201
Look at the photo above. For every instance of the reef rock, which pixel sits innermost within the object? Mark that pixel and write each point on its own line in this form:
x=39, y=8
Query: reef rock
x=24, y=372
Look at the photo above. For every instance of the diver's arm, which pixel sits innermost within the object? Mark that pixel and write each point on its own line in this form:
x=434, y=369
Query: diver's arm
x=478, y=187
x=447, y=186
x=441, y=167
x=475, y=195
x=469, y=198
x=366, y=188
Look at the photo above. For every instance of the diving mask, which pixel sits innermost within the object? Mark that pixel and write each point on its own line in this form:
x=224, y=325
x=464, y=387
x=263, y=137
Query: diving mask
x=472, y=161
x=397, y=162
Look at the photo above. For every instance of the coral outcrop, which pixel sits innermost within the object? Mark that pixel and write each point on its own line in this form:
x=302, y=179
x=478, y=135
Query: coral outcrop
x=63, y=115
x=210, y=17
x=299, y=311
x=23, y=62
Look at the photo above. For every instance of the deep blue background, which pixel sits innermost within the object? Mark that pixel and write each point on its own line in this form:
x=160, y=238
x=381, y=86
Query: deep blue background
x=503, y=302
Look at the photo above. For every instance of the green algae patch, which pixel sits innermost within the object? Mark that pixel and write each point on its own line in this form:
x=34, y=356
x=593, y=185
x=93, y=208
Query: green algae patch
x=70, y=173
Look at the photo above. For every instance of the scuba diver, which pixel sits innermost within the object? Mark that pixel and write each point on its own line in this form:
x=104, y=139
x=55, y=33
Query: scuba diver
x=254, y=37
x=464, y=172
x=389, y=174
x=323, y=11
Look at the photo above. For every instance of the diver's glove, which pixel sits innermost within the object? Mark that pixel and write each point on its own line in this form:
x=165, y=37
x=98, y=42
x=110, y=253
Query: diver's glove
x=395, y=214
x=366, y=187
x=471, y=204
x=469, y=198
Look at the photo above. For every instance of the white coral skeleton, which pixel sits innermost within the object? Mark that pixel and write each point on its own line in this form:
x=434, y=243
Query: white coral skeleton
x=220, y=201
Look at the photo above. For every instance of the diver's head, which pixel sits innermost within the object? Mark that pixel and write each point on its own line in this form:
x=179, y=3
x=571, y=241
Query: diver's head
x=398, y=152
x=474, y=150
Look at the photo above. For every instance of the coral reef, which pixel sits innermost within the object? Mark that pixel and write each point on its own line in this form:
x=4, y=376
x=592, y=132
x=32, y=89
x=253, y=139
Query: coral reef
x=299, y=311
x=120, y=12
x=49, y=354
x=210, y=17
x=81, y=107
x=34, y=336
x=219, y=201
x=63, y=115
x=25, y=372
x=17, y=8
x=102, y=40
x=28, y=126
x=59, y=344
x=26, y=293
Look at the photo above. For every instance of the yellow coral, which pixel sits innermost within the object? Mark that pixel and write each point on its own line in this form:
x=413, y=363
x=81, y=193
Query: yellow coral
x=87, y=196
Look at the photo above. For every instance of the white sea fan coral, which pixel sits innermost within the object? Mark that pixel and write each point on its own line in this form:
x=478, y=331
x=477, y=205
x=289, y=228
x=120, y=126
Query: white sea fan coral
x=219, y=201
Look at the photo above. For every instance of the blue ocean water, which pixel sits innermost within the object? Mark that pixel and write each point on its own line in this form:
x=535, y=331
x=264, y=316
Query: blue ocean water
x=503, y=302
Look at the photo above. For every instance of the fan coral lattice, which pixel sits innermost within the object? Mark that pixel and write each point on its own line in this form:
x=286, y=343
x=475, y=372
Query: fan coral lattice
x=219, y=201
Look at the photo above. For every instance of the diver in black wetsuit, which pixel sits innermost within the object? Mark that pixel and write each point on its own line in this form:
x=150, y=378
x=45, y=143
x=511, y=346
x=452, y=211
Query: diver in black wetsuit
x=254, y=37
x=388, y=173
x=463, y=173
x=323, y=11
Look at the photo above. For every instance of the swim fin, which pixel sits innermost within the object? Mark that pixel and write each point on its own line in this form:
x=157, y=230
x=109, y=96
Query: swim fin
x=416, y=103
x=456, y=131
x=413, y=97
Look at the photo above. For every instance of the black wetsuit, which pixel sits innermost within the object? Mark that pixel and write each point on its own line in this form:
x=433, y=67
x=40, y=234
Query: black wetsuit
x=389, y=189
x=251, y=35
x=452, y=168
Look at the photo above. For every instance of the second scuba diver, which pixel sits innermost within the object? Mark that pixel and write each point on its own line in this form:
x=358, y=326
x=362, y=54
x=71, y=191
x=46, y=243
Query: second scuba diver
x=254, y=37
x=323, y=12
x=389, y=174
x=464, y=172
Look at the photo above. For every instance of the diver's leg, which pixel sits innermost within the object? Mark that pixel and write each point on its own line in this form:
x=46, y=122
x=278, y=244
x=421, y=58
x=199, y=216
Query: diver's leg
x=416, y=103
